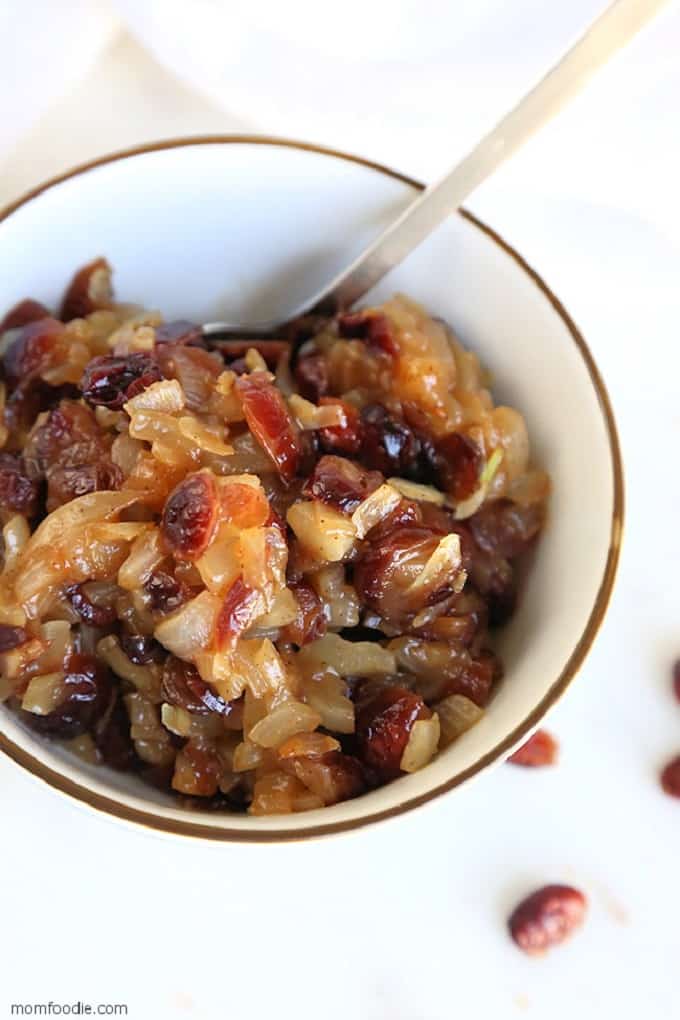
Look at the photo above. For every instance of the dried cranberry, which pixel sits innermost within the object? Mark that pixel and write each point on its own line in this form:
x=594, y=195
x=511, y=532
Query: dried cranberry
x=72, y=453
x=111, y=734
x=236, y=614
x=179, y=332
x=546, y=918
x=506, y=529
x=166, y=593
x=374, y=328
x=11, y=637
x=89, y=290
x=670, y=778
x=341, y=483
x=22, y=314
x=540, y=749
x=88, y=691
x=142, y=649
x=270, y=422
x=32, y=351
x=18, y=492
x=459, y=463
x=341, y=438
x=110, y=381
x=190, y=515
x=384, y=724
x=311, y=376
x=388, y=444
x=88, y=611
x=310, y=622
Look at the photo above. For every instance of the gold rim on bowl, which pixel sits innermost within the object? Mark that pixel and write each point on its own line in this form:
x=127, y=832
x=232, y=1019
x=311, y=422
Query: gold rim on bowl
x=148, y=819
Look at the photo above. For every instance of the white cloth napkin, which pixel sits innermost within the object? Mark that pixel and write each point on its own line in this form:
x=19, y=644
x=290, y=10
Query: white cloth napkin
x=411, y=82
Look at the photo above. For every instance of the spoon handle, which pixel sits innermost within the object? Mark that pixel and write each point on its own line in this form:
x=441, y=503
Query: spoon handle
x=615, y=27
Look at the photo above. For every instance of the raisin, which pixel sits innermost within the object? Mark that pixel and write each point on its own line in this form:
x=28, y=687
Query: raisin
x=540, y=749
x=88, y=691
x=311, y=376
x=341, y=483
x=341, y=438
x=111, y=734
x=175, y=687
x=22, y=314
x=89, y=290
x=32, y=351
x=310, y=622
x=72, y=453
x=142, y=649
x=505, y=529
x=11, y=637
x=374, y=328
x=384, y=724
x=546, y=918
x=388, y=565
x=670, y=778
x=237, y=612
x=179, y=332
x=458, y=464
x=270, y=422
x=197, y=770
x=110, y=381
x=165, y=593
x=88, y=611
x=18, y=493
x=388, y=444
x=190, y=515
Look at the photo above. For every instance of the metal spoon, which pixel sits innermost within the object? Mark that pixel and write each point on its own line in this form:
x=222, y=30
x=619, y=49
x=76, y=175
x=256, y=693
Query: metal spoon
x=615, y=27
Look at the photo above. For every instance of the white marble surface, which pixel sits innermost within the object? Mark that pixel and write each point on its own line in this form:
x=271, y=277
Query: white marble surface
x=407, y=920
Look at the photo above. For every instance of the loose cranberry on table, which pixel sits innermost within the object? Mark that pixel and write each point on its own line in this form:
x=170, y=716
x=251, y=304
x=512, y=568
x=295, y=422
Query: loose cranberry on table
x=540, y=749
x=546, y=918
x=670, y=777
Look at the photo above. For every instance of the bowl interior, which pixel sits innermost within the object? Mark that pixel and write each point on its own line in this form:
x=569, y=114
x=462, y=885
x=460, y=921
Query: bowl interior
x=239, y=229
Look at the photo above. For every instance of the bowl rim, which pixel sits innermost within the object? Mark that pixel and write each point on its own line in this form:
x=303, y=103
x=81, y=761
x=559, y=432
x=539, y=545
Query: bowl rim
x=147, y=819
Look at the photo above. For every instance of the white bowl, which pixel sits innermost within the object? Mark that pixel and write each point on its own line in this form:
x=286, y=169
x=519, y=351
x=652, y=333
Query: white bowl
x=246, y=227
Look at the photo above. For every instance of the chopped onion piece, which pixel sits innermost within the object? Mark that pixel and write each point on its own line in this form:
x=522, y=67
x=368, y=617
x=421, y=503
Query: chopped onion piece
x=254, y=361
x=247, y=756
x=422, y=744
x=471, y=505
x=375, y=508
x=443, y=567
x=15, y=536
x=325, y=534
x=145, y=555
x=456, y=715
x=348, y=658
x=326, y=695
x=166, y=396
x=44, y=693
x=204, y=437
x=284, y=722
x=309, y=416
x=191, y=628
x=416, y=491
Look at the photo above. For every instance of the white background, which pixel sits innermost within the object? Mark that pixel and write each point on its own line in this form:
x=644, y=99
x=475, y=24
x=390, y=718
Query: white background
x=405, y=920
